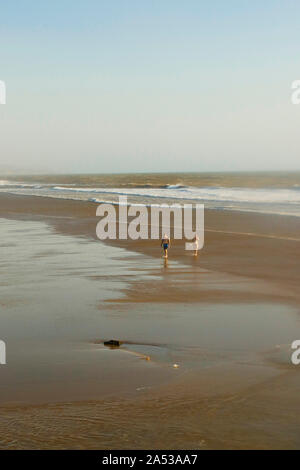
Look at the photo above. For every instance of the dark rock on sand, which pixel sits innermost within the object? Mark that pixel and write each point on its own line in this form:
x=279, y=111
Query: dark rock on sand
x=113, y=343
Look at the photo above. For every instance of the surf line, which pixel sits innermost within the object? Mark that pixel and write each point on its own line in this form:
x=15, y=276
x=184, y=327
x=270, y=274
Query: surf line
x=251, y=234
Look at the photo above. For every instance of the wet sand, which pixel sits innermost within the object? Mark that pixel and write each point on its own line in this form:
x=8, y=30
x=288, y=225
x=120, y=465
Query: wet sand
x=259, y=246
x=227, y=318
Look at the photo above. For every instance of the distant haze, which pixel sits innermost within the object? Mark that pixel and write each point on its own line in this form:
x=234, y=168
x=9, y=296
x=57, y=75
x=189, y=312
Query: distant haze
x=149, y=86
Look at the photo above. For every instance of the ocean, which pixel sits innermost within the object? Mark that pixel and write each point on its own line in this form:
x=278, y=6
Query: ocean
x=269, y=193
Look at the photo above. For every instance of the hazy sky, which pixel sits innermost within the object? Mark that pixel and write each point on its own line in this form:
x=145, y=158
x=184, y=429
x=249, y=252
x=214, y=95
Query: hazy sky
x=149, y=85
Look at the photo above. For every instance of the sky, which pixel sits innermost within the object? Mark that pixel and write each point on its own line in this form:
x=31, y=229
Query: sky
x=149, y=85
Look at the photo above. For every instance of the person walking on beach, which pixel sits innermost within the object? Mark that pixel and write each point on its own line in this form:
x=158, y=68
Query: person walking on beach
x=165, y=243
x=196, y=245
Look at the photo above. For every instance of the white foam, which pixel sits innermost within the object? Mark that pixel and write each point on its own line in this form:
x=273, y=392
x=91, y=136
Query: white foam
x=266, y=200
x=204, y=194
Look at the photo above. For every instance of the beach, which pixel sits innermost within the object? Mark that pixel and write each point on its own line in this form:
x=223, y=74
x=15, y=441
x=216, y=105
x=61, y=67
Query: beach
x=149, y=230
x=205, y=359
